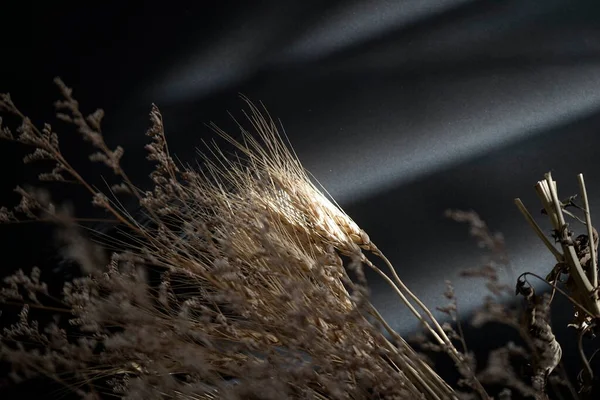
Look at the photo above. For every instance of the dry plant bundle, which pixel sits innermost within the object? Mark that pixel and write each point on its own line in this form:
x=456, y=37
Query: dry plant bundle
x=576, y=267
x=574, y=276
x=255, y=297
x=243, y=280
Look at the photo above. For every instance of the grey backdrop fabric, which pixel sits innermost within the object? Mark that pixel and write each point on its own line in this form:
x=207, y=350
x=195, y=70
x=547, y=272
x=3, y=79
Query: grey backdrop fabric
x=401, y=109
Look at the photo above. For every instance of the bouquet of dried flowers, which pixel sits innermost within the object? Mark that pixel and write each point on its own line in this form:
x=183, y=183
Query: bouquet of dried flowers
x=244, y=280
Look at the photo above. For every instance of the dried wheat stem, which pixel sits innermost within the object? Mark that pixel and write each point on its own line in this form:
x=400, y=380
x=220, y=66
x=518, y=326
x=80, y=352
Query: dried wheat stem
x=426, y=386
x=389, y=281
x=588, y=220
x=445, y=339
x=538, y=230
x=440, y=335
x=443, y=388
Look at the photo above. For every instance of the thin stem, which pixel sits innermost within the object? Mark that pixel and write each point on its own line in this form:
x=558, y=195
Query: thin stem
x=444, y=386
x=575, y=217
x=461, y=333
x=538, y=230
x=389, y=281
x=52, y=220
x=588, y=220
x=453, y=352
x=446, y=339
x=559, y=290
x=584, y=360
x=38, y=306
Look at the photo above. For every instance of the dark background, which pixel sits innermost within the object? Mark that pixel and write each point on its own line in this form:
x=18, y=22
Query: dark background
x=401, y=109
